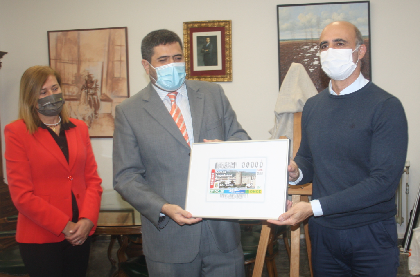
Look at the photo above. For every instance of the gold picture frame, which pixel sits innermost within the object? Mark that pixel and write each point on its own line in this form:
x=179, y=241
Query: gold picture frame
x=208, y=50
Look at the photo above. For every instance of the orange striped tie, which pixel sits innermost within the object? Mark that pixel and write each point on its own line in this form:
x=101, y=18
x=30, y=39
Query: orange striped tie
x=177, y=116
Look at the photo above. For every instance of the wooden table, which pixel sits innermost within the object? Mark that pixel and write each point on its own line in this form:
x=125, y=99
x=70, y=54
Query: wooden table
x=120, y=233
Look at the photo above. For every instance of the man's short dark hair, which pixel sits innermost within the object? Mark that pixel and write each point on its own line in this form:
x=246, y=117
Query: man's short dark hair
x=359, y=37
x=156, y=38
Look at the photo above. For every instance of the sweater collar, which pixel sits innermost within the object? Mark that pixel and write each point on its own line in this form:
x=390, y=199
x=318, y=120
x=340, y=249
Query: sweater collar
x=359, y=83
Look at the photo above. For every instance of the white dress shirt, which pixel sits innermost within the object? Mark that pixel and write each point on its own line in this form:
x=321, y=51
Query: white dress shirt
x=183, y=104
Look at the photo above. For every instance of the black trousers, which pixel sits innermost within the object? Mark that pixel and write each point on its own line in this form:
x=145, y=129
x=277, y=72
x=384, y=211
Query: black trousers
x=366, y=251
x=59, y=259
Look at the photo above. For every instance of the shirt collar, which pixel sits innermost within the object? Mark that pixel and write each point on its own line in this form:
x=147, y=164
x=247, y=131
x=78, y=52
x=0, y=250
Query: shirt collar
x=360, y=82
x=163, y=93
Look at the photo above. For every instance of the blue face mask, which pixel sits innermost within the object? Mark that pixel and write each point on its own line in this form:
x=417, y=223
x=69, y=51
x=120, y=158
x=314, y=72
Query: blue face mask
x=170, y=77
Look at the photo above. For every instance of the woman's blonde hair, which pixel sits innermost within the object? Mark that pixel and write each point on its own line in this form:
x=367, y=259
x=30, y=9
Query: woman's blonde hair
x=30, y=87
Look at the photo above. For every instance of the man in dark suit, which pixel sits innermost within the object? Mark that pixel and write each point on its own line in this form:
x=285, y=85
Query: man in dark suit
x=151, y=161
x=207, y=51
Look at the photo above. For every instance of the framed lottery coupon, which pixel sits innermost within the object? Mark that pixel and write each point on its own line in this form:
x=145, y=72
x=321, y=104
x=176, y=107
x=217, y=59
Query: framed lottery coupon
x=238, y=179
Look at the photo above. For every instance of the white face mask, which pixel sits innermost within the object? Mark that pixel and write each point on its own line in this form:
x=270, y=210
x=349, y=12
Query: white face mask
x=338, y=63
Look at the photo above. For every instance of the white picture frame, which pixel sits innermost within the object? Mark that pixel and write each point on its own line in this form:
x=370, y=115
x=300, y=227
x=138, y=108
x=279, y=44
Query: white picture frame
x=238, y=179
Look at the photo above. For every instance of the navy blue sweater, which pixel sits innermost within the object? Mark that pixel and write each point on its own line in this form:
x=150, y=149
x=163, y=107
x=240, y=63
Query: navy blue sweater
x=353, y=150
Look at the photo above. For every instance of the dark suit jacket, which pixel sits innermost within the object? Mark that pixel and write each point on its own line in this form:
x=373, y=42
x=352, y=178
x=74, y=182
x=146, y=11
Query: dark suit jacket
x=40, y=180
x=207, y=55
x=151, y=161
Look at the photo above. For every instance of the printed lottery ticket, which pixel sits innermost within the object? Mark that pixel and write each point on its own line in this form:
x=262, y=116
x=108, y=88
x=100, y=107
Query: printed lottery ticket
x=237, y=179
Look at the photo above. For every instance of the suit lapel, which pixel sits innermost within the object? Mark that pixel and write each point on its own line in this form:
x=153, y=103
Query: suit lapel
x=72, y=145
x=196, y=99
x=47, y=141
x=155, y=107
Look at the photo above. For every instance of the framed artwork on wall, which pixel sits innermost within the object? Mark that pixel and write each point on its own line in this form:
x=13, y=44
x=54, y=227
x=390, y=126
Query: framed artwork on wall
x=93, y=64
x=300, y=26
x=208, y=50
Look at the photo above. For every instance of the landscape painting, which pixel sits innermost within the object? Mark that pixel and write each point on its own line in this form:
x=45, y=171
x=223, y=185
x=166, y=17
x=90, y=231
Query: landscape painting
x=300, y=26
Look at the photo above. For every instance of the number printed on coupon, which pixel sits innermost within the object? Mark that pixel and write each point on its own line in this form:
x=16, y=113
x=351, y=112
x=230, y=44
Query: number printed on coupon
x=237, y=179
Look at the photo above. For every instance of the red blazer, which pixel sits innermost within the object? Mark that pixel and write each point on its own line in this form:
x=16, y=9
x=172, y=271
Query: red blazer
x=40, y=180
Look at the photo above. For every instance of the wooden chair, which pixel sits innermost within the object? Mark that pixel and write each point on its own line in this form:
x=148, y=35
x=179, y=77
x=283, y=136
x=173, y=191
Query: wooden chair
x=135, y=267
x=134, y=263
x=130, y=253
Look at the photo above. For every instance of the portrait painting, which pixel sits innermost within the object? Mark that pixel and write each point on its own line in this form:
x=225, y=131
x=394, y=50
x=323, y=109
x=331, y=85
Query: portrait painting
x=299, y=29
x=208, y=50
x=93, y=64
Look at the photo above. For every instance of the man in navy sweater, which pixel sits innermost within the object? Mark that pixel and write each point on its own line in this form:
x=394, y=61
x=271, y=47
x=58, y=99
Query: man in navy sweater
x=353, y=150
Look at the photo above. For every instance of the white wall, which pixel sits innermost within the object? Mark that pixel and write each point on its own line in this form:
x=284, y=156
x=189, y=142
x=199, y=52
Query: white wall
x=395, y=36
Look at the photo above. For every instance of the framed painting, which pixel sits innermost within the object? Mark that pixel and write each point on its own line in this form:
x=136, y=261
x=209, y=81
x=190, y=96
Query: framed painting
x=93, y=64
x=299, y=29
x=208, y=50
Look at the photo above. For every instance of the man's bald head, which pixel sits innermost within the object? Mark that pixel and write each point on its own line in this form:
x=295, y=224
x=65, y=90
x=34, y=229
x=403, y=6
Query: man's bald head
x=344, y=33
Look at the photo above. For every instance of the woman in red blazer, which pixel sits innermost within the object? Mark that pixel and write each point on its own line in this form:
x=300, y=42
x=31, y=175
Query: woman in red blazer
x=53, y=179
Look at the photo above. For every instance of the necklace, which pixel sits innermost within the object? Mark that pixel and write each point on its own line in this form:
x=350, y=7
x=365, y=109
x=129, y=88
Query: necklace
x=53, y=125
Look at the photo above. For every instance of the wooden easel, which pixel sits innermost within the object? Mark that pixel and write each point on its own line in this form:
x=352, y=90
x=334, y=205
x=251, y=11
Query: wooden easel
x=299, y=193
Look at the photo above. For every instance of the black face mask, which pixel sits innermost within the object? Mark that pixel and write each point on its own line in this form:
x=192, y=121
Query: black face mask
x=51, y=105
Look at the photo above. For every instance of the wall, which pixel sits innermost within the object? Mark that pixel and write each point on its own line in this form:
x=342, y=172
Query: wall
x=395, y=37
